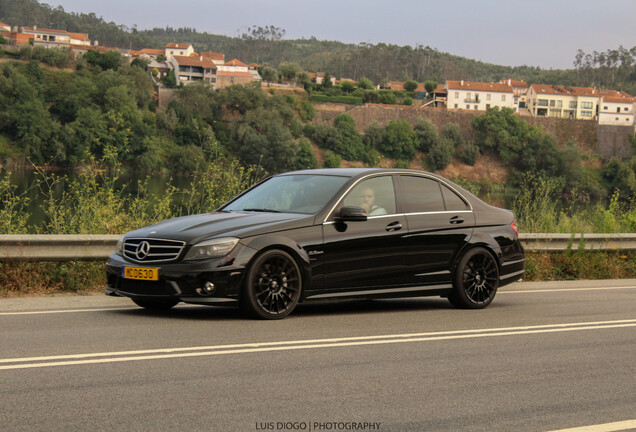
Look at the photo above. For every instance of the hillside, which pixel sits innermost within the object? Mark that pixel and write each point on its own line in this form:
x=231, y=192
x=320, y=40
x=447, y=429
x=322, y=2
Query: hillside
x=379, y=62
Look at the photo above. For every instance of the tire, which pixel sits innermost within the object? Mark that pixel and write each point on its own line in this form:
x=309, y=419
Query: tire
x=272, y=287
x=475, y=281
x=156, y=305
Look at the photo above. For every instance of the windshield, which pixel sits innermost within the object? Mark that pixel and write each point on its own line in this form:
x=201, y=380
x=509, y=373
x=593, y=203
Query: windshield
x=302, y=193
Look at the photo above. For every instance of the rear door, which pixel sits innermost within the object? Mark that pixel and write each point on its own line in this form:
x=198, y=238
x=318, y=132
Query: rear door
x=440, y=223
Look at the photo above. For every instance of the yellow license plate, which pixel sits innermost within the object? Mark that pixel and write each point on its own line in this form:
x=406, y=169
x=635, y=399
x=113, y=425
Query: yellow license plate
x=140, y=273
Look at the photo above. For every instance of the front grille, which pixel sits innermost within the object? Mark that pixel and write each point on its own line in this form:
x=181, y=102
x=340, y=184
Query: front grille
x=147, y=250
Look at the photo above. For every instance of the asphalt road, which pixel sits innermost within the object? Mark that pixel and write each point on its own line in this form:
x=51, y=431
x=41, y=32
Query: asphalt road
x=543, y=356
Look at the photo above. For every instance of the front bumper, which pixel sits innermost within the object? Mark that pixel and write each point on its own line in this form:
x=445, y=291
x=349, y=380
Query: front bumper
x=183, y=280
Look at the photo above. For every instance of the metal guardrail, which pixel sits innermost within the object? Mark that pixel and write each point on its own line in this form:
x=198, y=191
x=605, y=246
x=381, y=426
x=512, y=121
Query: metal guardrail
x=88, y=247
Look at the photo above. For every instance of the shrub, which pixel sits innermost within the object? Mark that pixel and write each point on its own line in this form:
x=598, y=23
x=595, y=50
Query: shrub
x=373, y=135
x=453, y=133
x=441, y=154
x=410, y=85
x=399, y=140
x=305, y=159
x=388, y=99
x=426, y=133
x=467, y=153
x=331, y=160
x=408, y=101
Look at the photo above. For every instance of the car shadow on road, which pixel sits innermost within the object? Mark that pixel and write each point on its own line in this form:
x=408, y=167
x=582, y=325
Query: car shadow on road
x=347, y=307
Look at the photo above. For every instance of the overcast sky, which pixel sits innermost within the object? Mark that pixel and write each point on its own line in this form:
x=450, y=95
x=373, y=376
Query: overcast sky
x=545, y=33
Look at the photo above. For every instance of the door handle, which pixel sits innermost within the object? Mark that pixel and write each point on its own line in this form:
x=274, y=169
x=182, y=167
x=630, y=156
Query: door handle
x=456, y=220
x=394, y=226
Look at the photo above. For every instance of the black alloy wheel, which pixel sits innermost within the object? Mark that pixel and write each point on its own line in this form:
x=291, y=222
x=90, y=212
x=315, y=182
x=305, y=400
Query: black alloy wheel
x=476, y=280
x=273, y=286
x=156, y=305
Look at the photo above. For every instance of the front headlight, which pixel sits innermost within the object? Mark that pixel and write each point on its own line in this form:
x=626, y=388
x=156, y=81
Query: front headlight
x=215, y=248
x=119, y=249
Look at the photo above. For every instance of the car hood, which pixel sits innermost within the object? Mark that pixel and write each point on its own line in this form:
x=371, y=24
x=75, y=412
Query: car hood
x=195, y=228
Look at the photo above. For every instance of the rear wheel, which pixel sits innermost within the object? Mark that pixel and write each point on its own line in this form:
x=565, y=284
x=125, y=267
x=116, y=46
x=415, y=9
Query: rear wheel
x=475, y=281
x=155, y=304
x=273, y=285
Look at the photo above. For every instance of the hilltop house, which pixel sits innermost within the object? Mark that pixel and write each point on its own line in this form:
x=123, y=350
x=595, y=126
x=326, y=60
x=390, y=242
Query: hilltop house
x=176, y=49
x=563, y=101
x=615, y=108
x=519, y=90
x=235, y=72
x=48, y=38
x=192, y=68
x=478, y=96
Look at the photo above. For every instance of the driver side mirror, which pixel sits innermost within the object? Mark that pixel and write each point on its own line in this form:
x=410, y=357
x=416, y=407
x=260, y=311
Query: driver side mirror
x=351, y=214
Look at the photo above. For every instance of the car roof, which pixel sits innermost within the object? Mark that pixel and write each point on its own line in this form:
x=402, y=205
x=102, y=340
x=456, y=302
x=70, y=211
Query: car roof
x=355, y=172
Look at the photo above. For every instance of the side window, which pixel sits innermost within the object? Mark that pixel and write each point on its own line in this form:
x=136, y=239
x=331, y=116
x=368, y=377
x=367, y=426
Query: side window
x=375, y=195
x=453, y=201
x=421, y=194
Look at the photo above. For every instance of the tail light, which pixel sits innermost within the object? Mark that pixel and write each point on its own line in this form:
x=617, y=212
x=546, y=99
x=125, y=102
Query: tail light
x=513, y=225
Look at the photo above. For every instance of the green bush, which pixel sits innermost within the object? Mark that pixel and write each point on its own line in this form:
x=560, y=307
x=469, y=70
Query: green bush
x=399, y=140
x=331, y=160
x=467, y=153
x=441, y=154
x=408, y=101
x=426, y=133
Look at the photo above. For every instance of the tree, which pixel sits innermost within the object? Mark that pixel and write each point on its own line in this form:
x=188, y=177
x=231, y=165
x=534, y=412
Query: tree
x=373, y=135
x=441, y=154
x=388, y=98
x=305, y=159
x=410, y=85
x=430, y=86
x=365, y=84
x=161, y=58
x=347, y=86
x=326, y=81
x=426, y=133
x=399, y=140
x=349, y=144
x=289, y=70
x=269, y=74
x=453, y=133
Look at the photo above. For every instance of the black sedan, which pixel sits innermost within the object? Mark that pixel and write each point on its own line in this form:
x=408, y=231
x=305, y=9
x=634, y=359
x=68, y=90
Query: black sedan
x=321, y=235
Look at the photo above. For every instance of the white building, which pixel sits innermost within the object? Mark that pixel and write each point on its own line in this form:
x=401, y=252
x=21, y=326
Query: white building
x=617, y=110
x=467, y=95
x=176, y=49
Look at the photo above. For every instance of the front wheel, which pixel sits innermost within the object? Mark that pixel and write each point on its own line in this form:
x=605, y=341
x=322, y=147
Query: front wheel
x=156, y=305
x=272, y=287
x=475, y=281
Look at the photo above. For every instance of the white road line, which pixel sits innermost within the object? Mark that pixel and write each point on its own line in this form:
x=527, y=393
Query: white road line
x=605, y=427
x=83, y=359
x=532, y=291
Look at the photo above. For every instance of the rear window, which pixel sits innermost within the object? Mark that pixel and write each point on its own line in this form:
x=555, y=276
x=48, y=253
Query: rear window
x=453, y=201
x=421, y=194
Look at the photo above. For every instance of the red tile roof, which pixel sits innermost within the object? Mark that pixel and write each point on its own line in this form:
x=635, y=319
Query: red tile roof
x=235, y=62
x=80, y=36
x=478, y=86
x=178, y=46
x=213, y=55
x=148, y=51
x=567, y=90
x=441, y=88
x=514, y=83
x=44, y=30
x=195, y=61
